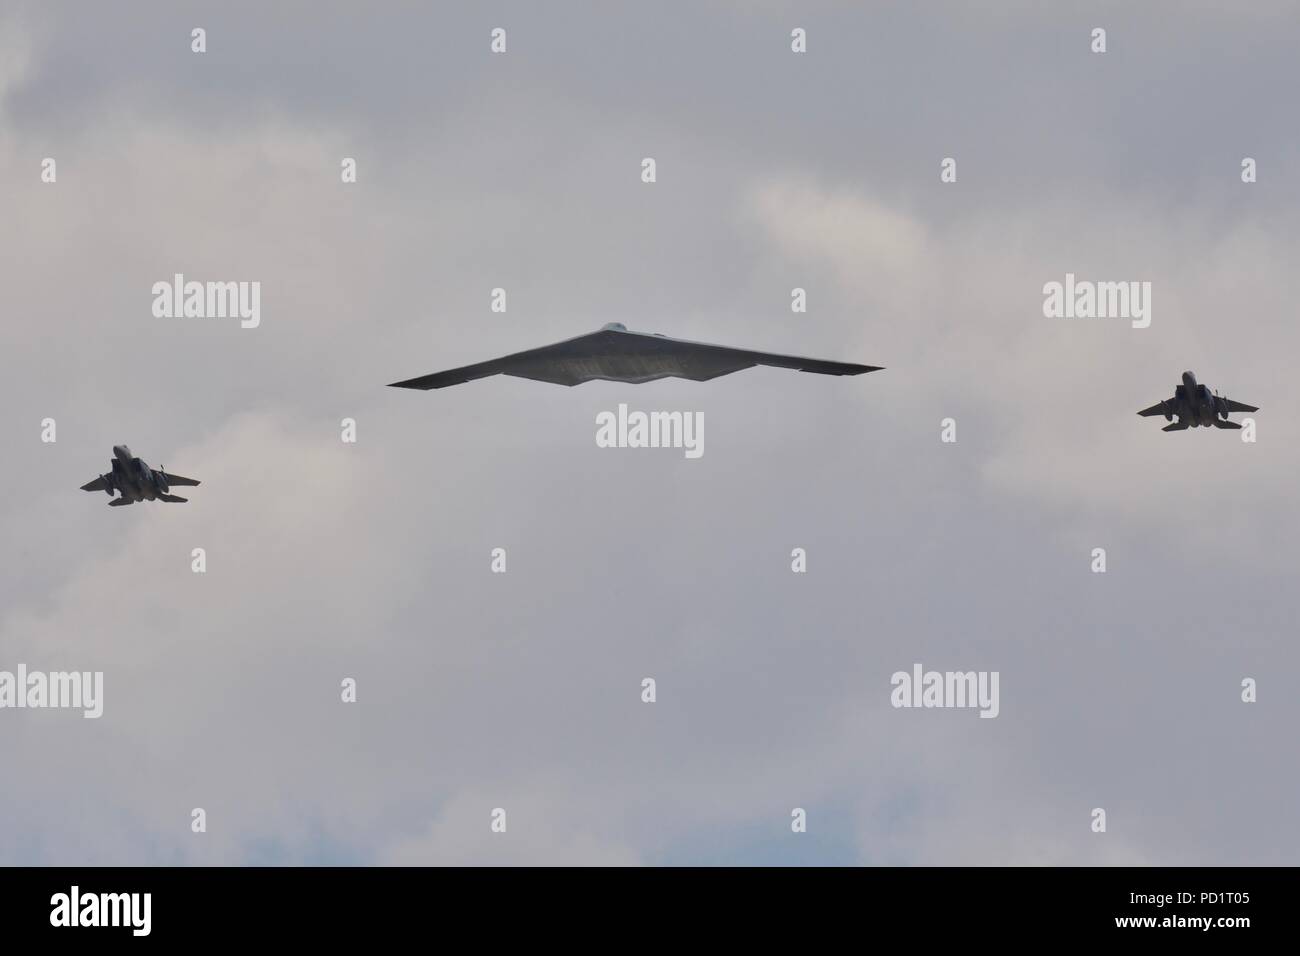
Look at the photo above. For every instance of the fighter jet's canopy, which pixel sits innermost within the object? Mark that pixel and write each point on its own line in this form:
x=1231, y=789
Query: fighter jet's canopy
x=612, y=353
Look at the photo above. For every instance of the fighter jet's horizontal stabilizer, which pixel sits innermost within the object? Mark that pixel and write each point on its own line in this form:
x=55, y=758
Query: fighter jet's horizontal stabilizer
x=614, y=354
x=119, y=502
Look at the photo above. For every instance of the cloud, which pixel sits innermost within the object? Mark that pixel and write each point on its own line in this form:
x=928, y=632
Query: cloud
x=1055, y=398
x=545, y=831
x=15, y=56
x=372, y=561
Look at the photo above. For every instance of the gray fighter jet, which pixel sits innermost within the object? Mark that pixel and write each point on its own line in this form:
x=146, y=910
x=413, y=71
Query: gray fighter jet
x=136, y=481
x=1196, y=406
x=614, y=354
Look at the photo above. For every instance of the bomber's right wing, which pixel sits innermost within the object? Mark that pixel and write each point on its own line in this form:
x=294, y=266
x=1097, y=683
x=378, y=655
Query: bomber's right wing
x=498, y=366
x=97, y=485
x=1160, y=408
x=546, y=363
x=453, y=376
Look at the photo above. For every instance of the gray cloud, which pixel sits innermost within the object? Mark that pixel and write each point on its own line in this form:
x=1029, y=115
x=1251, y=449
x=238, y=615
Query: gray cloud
x=522, y=690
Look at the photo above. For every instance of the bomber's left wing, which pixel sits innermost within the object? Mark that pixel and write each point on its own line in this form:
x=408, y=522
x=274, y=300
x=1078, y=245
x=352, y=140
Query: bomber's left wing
x=178, y=479
x=97, y=485
x=1238, y=406
x=734, y=359
x=1160, y=408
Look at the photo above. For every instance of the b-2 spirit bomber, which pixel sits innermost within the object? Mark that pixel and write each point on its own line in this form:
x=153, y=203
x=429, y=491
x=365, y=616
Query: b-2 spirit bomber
x=614, y=354
x=136, y=481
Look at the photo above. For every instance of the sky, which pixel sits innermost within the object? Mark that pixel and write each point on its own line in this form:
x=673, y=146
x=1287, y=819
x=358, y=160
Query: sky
x=372, y=560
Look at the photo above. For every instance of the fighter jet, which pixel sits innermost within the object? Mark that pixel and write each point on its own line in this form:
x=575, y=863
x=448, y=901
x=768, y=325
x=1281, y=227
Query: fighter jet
x=1196, y=406
x=136, y=481
x=614, y=354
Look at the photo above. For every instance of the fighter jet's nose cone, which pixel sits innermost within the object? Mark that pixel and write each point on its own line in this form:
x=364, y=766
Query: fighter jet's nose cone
x=1188, y=378
x=613, y=327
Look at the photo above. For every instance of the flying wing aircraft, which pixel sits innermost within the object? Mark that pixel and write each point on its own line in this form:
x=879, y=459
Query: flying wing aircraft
x=136, y=481
x=614, y=354
x=1196, y=406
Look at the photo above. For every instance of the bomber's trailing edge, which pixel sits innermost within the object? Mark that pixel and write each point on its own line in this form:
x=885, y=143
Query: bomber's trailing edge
x=136, y=481
x=614, y=354
x=1196, y=406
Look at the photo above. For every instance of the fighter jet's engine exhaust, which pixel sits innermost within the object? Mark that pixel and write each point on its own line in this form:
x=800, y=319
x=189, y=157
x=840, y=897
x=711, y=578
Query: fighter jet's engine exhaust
x=108, y=485
x=160, y=479
x=1169, y=412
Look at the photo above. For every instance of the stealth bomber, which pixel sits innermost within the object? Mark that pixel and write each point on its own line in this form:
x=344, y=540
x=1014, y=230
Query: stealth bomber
x=136, y=481
x=1196, y=406
x=614, y=354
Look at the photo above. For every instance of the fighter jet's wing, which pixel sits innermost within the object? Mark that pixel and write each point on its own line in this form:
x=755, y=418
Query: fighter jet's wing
x=1160, y=408
x=97, y=485
x=178, y=480
x=1238, y=406
x=614, y=353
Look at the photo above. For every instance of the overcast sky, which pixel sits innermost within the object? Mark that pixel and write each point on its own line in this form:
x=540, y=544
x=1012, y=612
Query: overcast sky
x=522, y=690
